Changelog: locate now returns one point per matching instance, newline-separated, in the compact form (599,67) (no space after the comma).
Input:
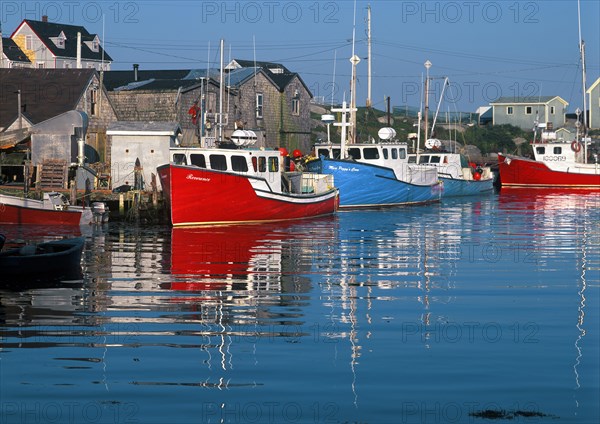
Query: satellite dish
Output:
(433,143)
(386,133)
(327,119)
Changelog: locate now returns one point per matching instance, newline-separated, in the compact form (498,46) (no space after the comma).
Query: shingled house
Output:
(56,46)
(275,99)
(46,93)
(268,99)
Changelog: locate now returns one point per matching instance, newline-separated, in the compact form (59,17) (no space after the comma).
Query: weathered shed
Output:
(146,142)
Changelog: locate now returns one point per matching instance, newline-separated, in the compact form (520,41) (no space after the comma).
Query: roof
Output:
(593,86)
(116,79)
(13,52)
(47,30)
(143,128)
(531,100)
(281,79)
(45,93)
(237,63)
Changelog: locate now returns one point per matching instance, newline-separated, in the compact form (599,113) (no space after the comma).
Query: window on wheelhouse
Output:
(179,159)
(323,152)
(218,162)
(435,159)
(239,164)
(402,153)
(354,153)
(540,150)
(198,160)
(371,153)
(385,153)
(558,150)
(412,159)
(424,159)
(262,164)
(273,164)
(394,153)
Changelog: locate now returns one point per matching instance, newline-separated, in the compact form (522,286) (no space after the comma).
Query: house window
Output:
(95,45)
(41,65)
(60,43)
(296,106)
(29,42)
(509,110)
(94,102)
(67,65)
(528,110)
(551,110)
(259,105)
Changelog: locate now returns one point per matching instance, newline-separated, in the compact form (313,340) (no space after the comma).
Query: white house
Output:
(147,143)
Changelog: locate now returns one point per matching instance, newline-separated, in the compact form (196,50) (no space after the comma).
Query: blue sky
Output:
(487,49)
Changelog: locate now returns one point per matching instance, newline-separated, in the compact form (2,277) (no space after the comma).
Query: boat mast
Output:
(221,94)
(369,102)
(427,66)
(583,82)
(354,60)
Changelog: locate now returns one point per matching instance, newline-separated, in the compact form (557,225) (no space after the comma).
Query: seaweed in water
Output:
(501,414)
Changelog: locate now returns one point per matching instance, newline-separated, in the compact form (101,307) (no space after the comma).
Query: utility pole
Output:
(1,48)
(369,103)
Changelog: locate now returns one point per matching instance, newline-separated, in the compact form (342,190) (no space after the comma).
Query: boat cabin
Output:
(450,165)
(569,152)
(388,155)
(264,168)
(377,154)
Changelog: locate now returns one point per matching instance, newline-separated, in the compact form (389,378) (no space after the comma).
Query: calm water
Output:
(459,312)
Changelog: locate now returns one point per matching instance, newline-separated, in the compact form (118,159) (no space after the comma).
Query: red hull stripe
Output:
(199,197)
(10,214)
(528,173)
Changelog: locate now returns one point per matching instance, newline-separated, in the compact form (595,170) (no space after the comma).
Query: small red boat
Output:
(54,209)
(214,186)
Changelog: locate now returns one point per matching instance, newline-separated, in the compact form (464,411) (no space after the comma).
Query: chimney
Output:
(78,50)
(45,18)
(135,71)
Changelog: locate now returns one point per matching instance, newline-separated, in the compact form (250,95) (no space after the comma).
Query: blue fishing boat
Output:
(378,174)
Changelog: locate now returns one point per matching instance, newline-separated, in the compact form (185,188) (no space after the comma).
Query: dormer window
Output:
(96,44)
(60,40)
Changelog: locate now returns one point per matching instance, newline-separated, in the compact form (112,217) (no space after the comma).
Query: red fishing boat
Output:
(556,164)
(53,209)
(234,185)
(570,164)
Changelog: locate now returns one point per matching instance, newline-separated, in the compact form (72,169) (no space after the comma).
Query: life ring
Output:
(576,146)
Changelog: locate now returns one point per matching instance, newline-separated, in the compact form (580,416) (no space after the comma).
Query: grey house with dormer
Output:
(523,112)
